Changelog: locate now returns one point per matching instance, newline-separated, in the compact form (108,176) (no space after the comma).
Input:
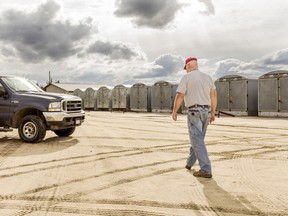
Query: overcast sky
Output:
(111,42)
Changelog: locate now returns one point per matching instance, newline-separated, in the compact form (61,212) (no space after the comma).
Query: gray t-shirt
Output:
(196,87)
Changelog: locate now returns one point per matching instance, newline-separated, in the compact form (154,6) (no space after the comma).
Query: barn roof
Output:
(70,87)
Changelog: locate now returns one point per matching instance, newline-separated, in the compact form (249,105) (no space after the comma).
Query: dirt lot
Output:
(133,164)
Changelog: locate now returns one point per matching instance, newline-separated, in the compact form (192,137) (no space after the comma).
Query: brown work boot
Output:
(188,167)
(202,174)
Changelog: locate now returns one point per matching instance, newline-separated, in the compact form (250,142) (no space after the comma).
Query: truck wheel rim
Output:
(29,130)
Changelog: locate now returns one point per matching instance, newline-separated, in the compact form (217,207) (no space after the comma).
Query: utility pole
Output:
(50,79)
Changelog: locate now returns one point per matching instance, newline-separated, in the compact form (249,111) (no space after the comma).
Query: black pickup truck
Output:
(25,106)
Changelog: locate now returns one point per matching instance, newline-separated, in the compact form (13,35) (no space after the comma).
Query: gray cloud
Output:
(274,61)
(279,57)
(36,36)
(227,67)
(236,67)
(210,7)
(115,50)
(7,52)
(163,66)
(148,13)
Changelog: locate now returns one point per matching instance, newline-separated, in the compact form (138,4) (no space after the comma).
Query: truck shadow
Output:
(15,147)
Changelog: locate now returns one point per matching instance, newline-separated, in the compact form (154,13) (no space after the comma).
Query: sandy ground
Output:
(133,164)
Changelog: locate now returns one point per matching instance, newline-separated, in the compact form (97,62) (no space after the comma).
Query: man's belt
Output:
(197,105)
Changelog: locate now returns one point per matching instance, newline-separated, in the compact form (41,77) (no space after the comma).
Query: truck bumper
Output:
(61,120)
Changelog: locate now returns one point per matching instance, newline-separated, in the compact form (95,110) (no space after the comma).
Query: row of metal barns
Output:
(239,96)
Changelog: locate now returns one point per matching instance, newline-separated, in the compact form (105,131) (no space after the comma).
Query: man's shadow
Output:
(221,202)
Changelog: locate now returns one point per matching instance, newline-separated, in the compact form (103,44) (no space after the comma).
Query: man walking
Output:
(200,97)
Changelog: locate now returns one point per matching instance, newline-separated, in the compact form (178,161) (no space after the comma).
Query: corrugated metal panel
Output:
(283,97)
(162,96)
(79,93)
(120,97)
(222,95)
(237,95)
(140,97)
(103,98)
(273,94)
(90,98)
(268,95)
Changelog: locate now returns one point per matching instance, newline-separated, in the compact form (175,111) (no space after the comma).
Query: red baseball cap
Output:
(189,60)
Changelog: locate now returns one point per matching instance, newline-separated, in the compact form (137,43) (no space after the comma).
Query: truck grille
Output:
(72,105)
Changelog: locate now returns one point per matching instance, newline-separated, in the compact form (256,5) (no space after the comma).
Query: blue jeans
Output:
(197,124)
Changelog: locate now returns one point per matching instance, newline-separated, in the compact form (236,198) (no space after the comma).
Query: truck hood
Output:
(50,96)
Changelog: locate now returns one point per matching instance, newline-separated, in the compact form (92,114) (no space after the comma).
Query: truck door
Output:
(5,107)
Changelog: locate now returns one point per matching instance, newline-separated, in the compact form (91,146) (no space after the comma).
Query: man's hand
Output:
(177,104)
(213,98)
(212,117)
(174,116)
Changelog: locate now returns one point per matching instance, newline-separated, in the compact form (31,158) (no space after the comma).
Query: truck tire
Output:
(65,132)
(32,129)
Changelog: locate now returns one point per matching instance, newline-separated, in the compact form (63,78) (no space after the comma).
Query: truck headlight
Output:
(55,106)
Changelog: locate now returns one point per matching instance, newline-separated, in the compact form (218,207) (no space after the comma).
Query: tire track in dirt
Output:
(130,151)
(141,118)
(230,155)
(73,198)
(7,150)
(28,209)
(243,179)
(245,131)
(204,208)
(253,182)
(255,141)
(128,203)
(261,155)
(283,164)
(168,148)
(119,182)
(248,126)
(123,181)
(10,148)
(130,138)
(92,177)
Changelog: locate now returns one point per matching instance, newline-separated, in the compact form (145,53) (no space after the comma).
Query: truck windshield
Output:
(19,84)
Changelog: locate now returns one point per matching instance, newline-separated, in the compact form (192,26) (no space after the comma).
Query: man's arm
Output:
(213,98)
(177,104)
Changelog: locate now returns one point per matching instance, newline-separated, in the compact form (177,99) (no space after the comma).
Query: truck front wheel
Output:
(65,132)
(32,129)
